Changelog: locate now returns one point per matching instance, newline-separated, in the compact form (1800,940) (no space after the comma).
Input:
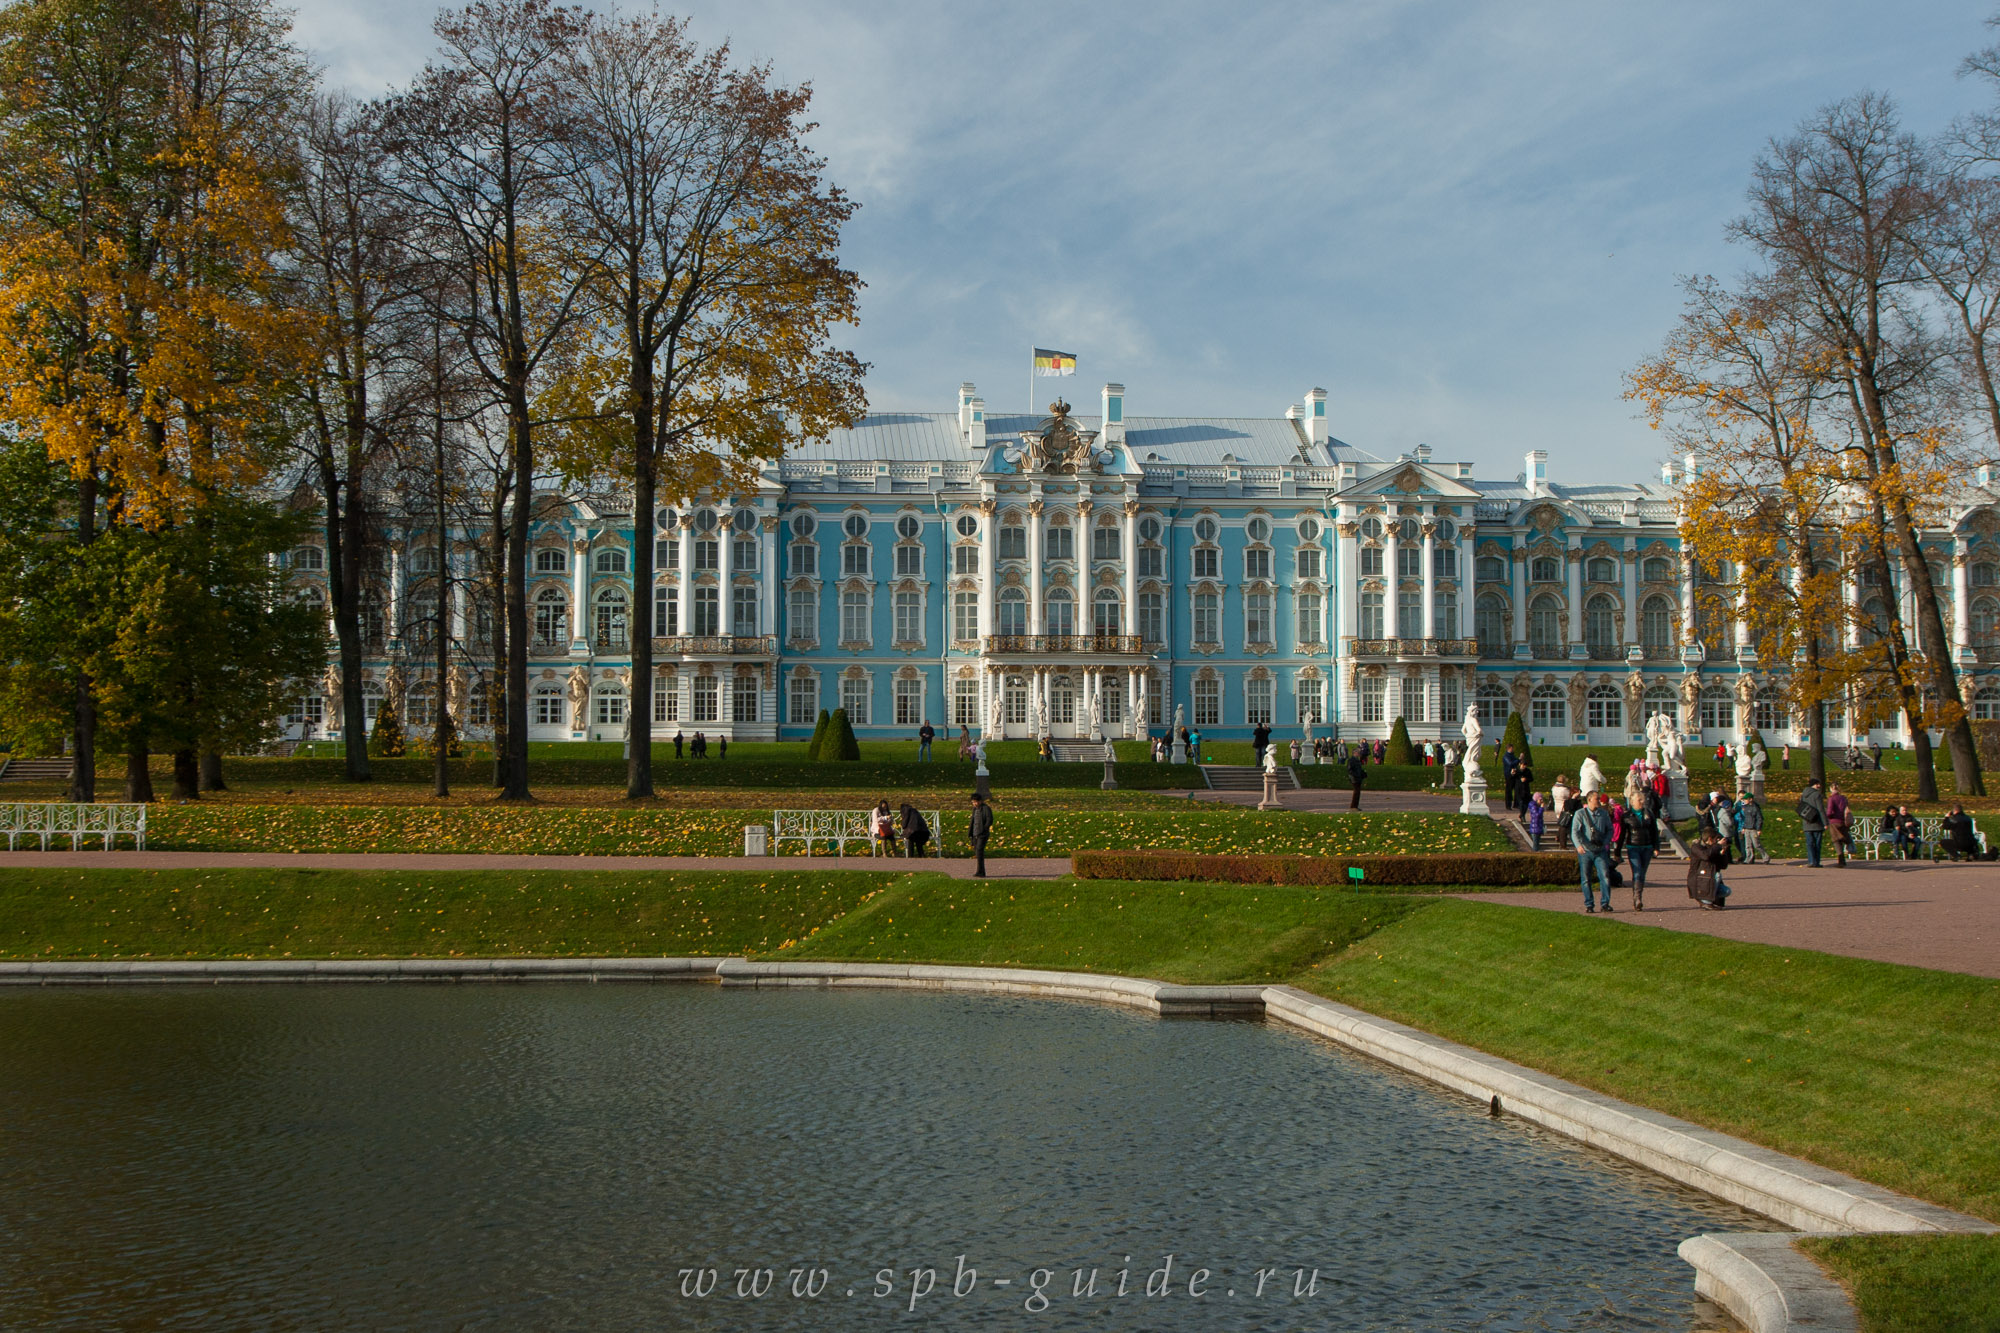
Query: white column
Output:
(1466,591)
(1961,601)
(1741,625)
(1850,591)
(989,594)
(1391,578)
(726,599)
(579,581)
(1687,599)
(396,572)
(1347,590)
(1573,558)
(1430,578)
(1084,591)
(455,589)
(767,554)
(1036,623)
(1131,551)
(1631,558)
(685,594)
(1519,561)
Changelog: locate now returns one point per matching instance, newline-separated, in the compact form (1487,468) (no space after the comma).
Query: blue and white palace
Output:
(962,566)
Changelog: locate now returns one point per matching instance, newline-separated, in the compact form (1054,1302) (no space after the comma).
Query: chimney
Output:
(1986,474)
(966,394)
(1114,414)
(1536,475)
(1316,416)
(975,426)
(1422,453)
(1465,472)
(1693,466)
(1670,473)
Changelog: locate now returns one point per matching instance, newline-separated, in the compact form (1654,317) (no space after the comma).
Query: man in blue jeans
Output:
(925,735)
(1812,820)
(1590,831)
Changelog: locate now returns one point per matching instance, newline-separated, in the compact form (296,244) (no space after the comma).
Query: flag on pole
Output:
(1054,363)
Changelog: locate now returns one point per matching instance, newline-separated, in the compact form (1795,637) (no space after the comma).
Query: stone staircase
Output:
(1077,752)
(1244,777)
(36,770)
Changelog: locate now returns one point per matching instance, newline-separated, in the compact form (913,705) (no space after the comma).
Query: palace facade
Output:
(971,568)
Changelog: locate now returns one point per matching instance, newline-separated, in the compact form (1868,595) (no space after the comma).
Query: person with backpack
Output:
(1707,857)
(1590,834)
(1839,821)
(1357,773)
(978,831)
(1750,827)
(1812,820)
(916,831)
(1960,839)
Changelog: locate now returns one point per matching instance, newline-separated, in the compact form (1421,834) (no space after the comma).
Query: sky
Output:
(1465,221)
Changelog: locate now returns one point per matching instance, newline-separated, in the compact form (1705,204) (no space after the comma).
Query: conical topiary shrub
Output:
(386,740)
(1516,735)
(819,735)
(840,743)
(1399,745)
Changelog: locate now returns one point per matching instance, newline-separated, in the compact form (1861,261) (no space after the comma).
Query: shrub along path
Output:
(1010,867)
(1938,916)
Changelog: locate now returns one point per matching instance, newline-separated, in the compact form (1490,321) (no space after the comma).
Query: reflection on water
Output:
(596,1157)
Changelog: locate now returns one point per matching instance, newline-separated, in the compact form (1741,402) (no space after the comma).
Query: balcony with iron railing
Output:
(1097,644)
(718,645)
(1412,648)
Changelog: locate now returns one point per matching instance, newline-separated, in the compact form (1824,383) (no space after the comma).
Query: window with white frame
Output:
(667,698)
(908,526)
(743,555)
(1208,703)
(1371,560)
(1257,619)
(1409,615)
(551,560)
(909,617)
(1449,708)
(1310,694)
(805,558)
(1545,569)
(1547,709)
(1061,611)
(1013,541)
(611,560)
(610,706)
(551,617)
(854,617)
(965,560)
(803,694)
(1107,614)
(1060,543)
(1489,626)
(1152,624)
(854,693)
(479,706)
(965,616)
(609,630)
(1156,707)
(308,558)
(708,610)
(1444,615)
(1409,561)
(803,616)
(1257,563)
(1372,690)
(1986,705)
(967,525)
(1600,570)
(1308,562)
(854,560)
(743,612)
(965,703)
(1311,615)
(707,691)
(1259,694)
(1152,555)
(1014,701)
(743,705)
(1444,562)
(1718,711)
(1489,569)
(666,609)
(666,555)
(1545,636)
(1207,562)
(1207,618)
(1113,695)
(1493,704)
(1013,613)
(1657,569)
(909,703)
(546,705)
(1660,702)
(1371,615)
(707,553)
(1767,712)
(909,561)
(1414,693)
(1604,709)
(1106,543)
(1062,701)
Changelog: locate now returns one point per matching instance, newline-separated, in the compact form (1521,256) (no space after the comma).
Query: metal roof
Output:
(925,437)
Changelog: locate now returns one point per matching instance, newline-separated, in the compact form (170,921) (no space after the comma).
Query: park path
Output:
(997,867)
(1937,916)
(1333,800)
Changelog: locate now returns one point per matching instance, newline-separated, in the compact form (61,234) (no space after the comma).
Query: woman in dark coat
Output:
(1707,858)
(1959,838)
(916,832)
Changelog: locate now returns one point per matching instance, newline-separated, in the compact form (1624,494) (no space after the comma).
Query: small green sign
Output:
(1356,874)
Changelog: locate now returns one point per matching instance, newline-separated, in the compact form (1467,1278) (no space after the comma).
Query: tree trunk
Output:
(1816,742)
(516,779)
(639,720)
(138,773)
(187,776)
(83,771)
(345,536)
(211,770)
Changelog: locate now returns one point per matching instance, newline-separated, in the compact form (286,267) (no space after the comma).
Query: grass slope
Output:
(1916,1284)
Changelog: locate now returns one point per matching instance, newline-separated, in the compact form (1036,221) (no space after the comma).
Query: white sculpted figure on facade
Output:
(1474,734)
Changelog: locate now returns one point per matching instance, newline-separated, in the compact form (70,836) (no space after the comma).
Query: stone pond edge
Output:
(1758,1277)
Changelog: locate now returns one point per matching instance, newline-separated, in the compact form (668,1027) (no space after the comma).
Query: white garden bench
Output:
(58,819)
(1871,841)
(838,827)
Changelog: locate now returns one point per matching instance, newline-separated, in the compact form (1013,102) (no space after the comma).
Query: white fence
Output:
(839,827)
(51,819)
(1870,839)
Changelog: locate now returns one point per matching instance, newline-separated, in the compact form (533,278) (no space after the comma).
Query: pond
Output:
(558,1156)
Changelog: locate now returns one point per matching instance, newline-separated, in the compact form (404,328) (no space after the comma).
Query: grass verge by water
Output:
(1916,1284)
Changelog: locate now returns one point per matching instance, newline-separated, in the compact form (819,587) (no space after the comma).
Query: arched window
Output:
(1657,569)
(551,618)
(1601,570)
(1604,709)
(419,702)
(1660,701)
(1718,709)
(1545,569)
(1489,623)
(1061,611)
(310,594)
(1013,611)
(1493,704)
(1656,627)
(609,629)
(1767,713)
(1600,627)
(1548,710)
(551,560)
(610,700)
(1986,705)
(611,560)
(1985,621)
(311,558)
(1489,569)
(1545,627)
(545,705)
(1106,613)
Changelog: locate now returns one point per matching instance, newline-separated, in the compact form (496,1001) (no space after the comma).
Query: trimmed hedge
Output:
(1496,869)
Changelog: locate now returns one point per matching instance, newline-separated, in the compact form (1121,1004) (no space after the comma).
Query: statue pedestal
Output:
(1110,782)
(1475,797)
(1270,801)
(1677,806)
(1180,750)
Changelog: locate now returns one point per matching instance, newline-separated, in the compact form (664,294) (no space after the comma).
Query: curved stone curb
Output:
(1767,1284)
(231,970)
(1156,997)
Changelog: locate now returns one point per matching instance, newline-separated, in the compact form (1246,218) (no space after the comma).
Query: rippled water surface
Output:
(569,1156)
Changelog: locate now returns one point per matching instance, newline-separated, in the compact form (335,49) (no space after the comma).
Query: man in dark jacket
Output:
(1509,762)
(1259,738)
(1642,840)
(1590,834)
(1812,820)
(980,829)
(1960,839)
(1708,857)
(1357,773)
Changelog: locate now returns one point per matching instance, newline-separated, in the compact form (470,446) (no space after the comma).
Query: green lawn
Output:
(1917,1284)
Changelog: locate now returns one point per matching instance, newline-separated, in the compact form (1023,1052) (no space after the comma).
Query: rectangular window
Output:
(1718,714)
(1444,616)
(1208,703)
(1309,562)
(1371,560)
(1371,615)
(1493,710)
(743,555)
(1310,618)
(1152,562)
(965,560)
(1413,699)
(706,692)
(1207,618)
(909,562)
(1257,618)
(804,697)
(667,699)
(1013,614)
(1444,561)
(667,554)
(1207,562)
(548,708)
(965,703)
(854,559)
(854,618)
(1152,625)
(1113,696)
(1409,615)
(1409,561)
(1371,698)
(1257,697)
(805,559)
(610,709)
(965,616)
(854,698)
(1013,543)
(743,700)
(1061,544)
(708,554)
(909,617)
(909,703)
(1256,564)
(708,612)
(742,612)
(1311,697)
(1105,544)
(1604,714)
(1548,714)
(804,617)
(1449,708)
(1156,707)
(666,611)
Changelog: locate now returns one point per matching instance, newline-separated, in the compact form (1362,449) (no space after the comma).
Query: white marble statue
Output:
(1759,757)
(996,719)
(1741,749)
(1656,727)
(1271,761)
(1473,734)
(1097,714)
(1673,755)
(979,757)
(1038,724)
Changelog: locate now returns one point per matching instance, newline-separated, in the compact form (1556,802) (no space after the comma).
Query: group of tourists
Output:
(698,747)
(888,828)
(1606,832)
(1828,814)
